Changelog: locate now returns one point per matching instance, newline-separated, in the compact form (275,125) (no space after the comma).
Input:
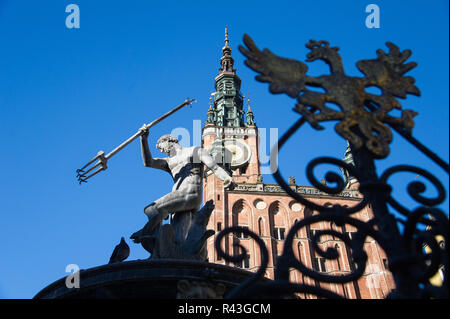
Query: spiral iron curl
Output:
(330,177)
(240,291)
(359,256)
(415,188)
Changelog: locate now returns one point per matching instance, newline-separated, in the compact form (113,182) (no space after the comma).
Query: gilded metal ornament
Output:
(362,116)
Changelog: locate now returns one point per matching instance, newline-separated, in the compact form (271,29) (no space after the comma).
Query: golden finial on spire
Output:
(226,61)
(227,42)
(250,119)
(210,103)
(226,36)
(248,101)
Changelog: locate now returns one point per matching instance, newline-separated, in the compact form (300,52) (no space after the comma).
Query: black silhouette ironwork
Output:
(365,122)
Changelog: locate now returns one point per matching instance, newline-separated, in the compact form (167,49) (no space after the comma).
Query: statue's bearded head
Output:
(166,143)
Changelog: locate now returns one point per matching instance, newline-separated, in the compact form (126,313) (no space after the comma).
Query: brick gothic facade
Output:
(267,210)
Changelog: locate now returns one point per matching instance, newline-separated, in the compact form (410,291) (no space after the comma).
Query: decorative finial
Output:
(291,180)
(210,104)
(226,37)
(210,114)
(250,117)
(226,49)
(226,62)
(348,158)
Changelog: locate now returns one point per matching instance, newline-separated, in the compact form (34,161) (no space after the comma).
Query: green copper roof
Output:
(227,107)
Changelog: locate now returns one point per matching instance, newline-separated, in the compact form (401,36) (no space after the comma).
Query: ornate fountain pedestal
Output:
(151,279)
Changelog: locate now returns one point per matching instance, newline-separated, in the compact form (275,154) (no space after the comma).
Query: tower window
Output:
(296,234)
(244,263)
(278,233)
(242,235)
(319,264)
(338,259)
(260,226)
(219,228)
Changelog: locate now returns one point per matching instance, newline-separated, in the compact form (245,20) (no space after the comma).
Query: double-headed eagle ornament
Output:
(362,116)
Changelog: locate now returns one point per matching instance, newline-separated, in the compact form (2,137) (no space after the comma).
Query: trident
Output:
(102,159)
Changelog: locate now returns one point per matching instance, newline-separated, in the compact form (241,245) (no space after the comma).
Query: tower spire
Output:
(348,158)
(250,116)
(210,115)
(226,62)
(226,38)
(227,107)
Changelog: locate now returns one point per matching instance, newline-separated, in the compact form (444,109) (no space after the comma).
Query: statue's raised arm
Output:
(149,161)
(206,159)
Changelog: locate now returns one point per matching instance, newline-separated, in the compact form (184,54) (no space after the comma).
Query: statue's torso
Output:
(186,169)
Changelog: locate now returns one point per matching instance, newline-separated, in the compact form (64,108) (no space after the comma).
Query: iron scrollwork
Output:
(364,121)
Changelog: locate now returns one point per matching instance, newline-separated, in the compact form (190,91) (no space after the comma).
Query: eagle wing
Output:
(387,72)
(284,75)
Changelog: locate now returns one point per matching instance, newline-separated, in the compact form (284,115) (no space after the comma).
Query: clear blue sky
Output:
(67,93)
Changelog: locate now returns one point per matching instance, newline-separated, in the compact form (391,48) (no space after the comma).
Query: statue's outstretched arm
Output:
(206,159)
(149,161)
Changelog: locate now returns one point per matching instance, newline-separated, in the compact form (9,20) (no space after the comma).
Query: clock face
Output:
(236,152)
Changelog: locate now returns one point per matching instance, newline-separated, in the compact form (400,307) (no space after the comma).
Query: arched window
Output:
(295,222)
(277,220)
(319,264)
(339,257)
(307,212)
(260,226)
(299,250)
(244,263)
(240,216)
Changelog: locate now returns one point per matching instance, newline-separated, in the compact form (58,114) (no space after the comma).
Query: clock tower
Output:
(231,136)
(230,133)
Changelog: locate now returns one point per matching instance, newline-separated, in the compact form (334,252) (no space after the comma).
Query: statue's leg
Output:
(154,221)
(154,214)
(182,205)
(174,202)
(181,222)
